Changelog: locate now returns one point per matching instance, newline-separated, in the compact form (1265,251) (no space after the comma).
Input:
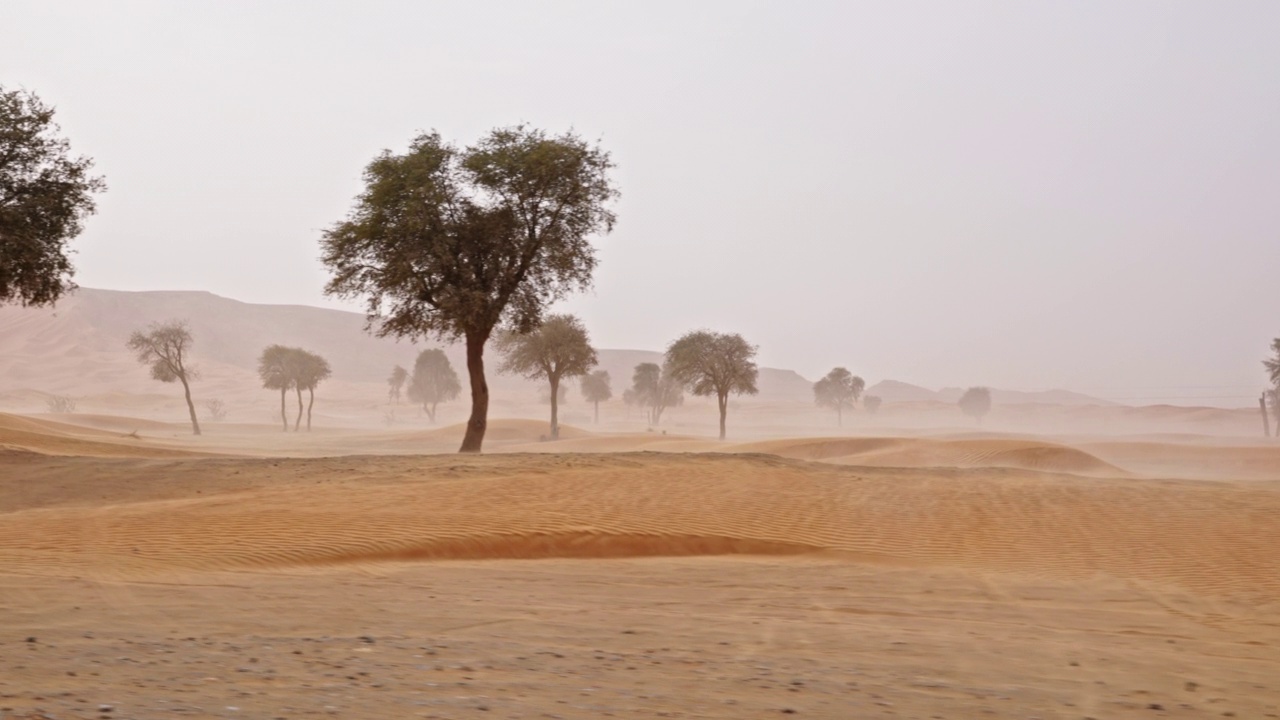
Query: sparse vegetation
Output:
(165,347)
(654,389)
(596,388)
(216,410)
(434,381)
(976,402)
(397,380)
(840,389)
(558,349)
(45,196)
(61,404)
(711,363)
(284,368)
(871,404)
(455,243)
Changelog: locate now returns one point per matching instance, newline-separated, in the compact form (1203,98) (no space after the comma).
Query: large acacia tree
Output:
(457,242)
(711,363)
(45,195)
(165,347)
(559,348)
(840,389)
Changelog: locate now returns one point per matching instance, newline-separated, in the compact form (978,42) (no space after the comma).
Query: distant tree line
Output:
(290,368)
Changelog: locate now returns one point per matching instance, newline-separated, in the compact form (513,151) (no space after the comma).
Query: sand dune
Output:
(1208,537)
(26,434)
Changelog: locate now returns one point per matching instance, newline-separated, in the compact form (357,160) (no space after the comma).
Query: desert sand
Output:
(366,572)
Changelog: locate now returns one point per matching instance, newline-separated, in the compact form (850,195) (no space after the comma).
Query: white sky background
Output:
(1026,195)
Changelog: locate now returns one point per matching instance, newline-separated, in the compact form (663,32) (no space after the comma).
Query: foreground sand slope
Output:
(158,515)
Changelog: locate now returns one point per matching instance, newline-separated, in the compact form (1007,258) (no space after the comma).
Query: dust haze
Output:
(921,376)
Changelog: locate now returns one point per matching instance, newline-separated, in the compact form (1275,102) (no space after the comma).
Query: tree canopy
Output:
(395,382)
(711,363)
(871,404)
(654,389)
(840,389)
(164,347)
(434,381)
(45,196)
(559,348)
(451,242)
(976,402)
(597,388)
(1272,364)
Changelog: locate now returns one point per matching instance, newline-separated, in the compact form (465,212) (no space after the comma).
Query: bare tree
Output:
(559,348)
(275,368)
(976,402)
(434,381)
(457,243)
(311,370)
(397,380)
(711,363)
(216,409)
(654,389)
(164,347)
(840,389)
(596,389)
(1272,364)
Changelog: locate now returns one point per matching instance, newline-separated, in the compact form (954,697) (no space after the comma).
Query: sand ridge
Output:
(1212,538)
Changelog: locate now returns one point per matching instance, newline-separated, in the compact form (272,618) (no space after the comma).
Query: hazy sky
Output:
(1029,195)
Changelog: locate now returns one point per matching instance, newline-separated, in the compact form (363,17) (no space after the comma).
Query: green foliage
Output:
(710,363)
(447,241)
(451,242)
(276,367)
(290,368)
(976,402)
(558,348)
(434,381)
(45,195)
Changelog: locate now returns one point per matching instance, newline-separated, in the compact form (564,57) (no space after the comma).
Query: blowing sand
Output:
(632,576)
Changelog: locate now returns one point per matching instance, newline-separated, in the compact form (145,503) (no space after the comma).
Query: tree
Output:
(596,389)
(164,346)
(455,243)
(1273,364)
(655,389)
(976,402)
(559,348)
(275,368)
(871,404)
(434,381)
(838,390)
(311,369)
(710,363)
(397,380)
(45,195)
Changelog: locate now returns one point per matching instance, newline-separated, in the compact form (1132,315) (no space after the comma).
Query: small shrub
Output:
(61,404)
(216,409)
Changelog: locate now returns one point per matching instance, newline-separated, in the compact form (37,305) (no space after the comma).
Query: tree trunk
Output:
(430,410)
(479,420)
(597,412)
(555,398)
(186,389)
(283,418)
(298,423)
(724,409)
(1266,424)
(311,400)
(839,416)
